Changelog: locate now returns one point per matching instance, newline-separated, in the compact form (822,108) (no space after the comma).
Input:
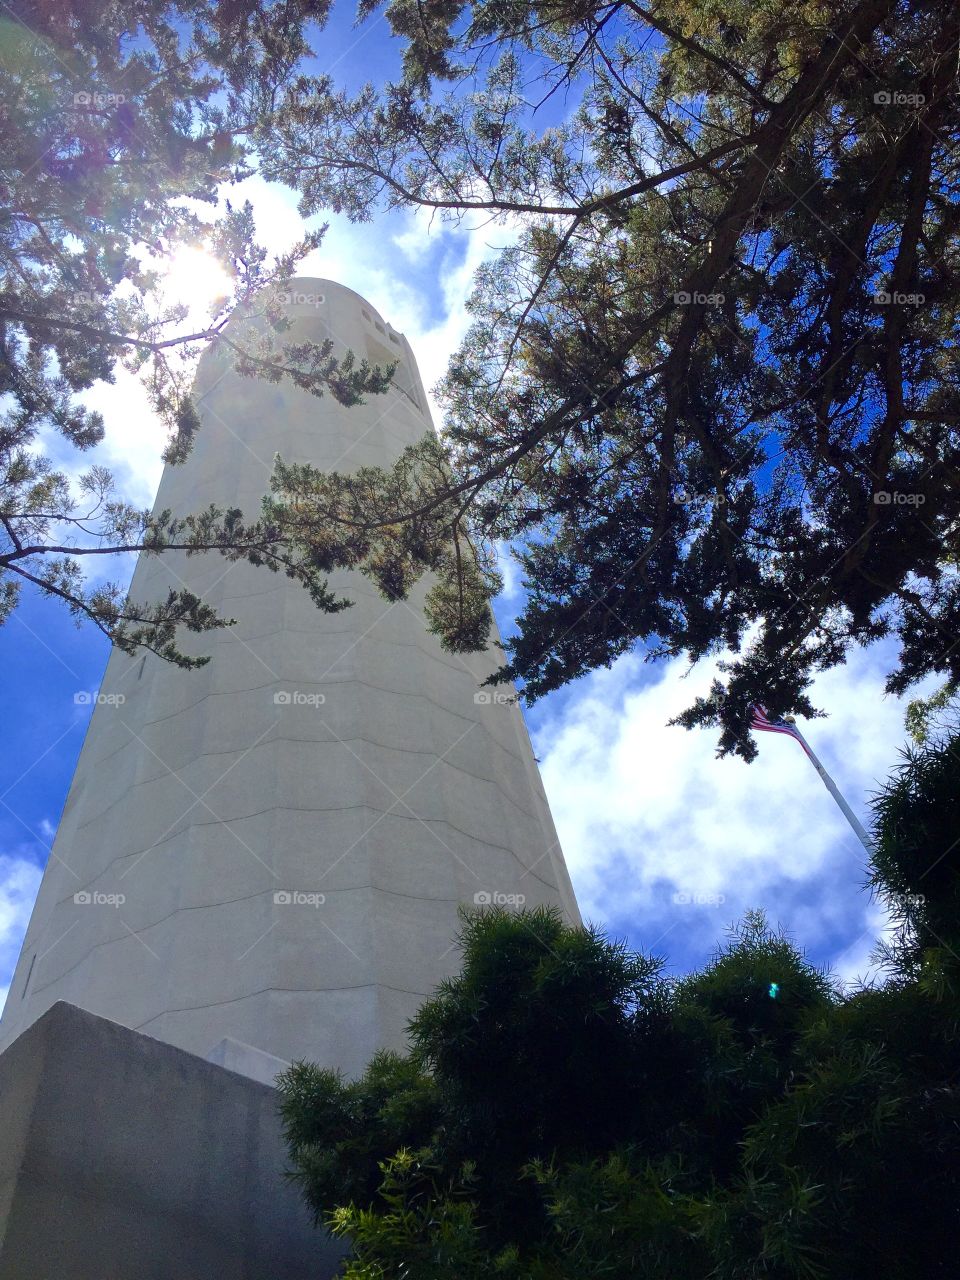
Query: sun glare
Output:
(196,279)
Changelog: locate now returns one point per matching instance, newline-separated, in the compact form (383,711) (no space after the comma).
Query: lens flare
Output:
(195,278)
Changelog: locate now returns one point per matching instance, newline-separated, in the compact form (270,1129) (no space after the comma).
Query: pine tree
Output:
(709,394)
(119,122)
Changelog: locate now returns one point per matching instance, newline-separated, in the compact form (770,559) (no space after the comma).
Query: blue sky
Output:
(666,845)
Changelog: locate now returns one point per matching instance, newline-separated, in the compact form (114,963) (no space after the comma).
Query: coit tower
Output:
(272,849)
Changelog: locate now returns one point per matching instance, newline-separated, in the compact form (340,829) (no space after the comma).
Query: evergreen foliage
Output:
(119,122)
(568,1113)
(710,392)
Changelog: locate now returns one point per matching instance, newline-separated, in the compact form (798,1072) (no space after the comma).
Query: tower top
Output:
(307,295)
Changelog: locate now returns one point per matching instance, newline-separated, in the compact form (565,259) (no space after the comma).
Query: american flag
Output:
(762,723)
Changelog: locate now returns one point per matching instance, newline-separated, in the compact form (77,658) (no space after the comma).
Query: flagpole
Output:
(834,790)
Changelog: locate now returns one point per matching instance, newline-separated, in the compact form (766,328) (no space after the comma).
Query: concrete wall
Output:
(343,757)
(122,1158)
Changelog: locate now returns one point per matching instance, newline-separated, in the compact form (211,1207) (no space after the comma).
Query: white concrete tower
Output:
(272,849)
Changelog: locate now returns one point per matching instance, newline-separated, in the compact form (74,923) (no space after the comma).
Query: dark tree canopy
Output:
(710,393)
(119,123)
(568,1113)
(917,854)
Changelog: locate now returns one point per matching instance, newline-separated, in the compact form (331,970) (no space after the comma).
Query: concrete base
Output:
(124,1158)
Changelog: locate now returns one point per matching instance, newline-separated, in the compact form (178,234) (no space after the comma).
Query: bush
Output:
(567,1113)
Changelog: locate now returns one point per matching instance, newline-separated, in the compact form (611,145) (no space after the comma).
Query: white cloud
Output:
(511,573)
(646,812)
(854,964)
(412,243)
(134,438)
(19,881)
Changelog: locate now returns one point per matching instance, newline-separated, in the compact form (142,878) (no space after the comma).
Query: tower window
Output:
(379,354)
